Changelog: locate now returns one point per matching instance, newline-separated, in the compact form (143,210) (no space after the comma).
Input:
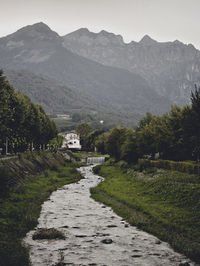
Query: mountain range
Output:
(170,68)
(98,72)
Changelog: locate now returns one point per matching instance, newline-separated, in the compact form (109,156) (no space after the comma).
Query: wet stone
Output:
(107,241)
(111,225)
(136,256)
(158,242)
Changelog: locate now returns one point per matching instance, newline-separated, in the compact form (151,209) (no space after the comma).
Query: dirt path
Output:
(87,226)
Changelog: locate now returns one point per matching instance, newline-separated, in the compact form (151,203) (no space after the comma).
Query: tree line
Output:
(174,136)
(23,124)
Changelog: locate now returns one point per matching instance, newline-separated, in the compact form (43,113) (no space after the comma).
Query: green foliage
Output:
(175,135)
(56,142)
(22,124)
(114,142)
(84,130)
(185,167)
(90,139)
(164,203)
(120,143)
(6,181)
(100,143)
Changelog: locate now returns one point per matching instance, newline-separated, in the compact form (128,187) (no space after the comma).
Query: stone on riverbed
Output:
(107,241)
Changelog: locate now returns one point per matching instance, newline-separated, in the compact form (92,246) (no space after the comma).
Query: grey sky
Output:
(163,20)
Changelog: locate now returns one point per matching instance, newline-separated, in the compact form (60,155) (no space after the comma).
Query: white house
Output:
(72,141)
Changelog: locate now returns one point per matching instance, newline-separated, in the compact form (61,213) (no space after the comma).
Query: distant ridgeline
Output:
(23,124)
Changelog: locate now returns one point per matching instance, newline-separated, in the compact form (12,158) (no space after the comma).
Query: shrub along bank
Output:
(185,167)
(29,182)
(164,203)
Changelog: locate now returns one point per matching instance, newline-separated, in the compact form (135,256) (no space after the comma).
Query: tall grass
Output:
(21,207)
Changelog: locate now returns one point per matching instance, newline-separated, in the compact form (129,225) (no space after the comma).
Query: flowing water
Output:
(95,160)
(95,235)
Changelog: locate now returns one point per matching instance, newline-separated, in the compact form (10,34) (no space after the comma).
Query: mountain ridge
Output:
(39,50)
(171,68)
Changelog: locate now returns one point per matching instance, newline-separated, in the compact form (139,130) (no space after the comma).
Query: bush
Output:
(96,169)
(110,161)
(6,181)
(122,164)
(185,167)
(143,164)
(54,167)
(50,233)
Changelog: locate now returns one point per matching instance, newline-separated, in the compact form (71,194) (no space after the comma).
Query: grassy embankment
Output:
(34,177)
(164,203)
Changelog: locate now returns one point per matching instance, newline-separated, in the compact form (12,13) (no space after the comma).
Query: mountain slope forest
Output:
(23,124)
(39,50)
(97,73)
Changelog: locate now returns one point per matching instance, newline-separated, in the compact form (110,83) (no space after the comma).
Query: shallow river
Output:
(85,224)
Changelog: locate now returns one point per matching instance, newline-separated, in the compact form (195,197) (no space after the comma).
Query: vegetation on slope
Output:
(22,123)
(35,177)
(164,203)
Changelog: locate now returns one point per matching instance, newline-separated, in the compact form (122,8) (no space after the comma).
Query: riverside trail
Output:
(95,235)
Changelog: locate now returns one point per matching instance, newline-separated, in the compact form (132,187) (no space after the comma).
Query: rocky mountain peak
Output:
(80,32)
(147,40)
(36,31)
(85,36)
(111,36)
(177,42)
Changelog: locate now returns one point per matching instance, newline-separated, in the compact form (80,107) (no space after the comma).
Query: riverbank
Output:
(91,233)
(29,180)
(163,203)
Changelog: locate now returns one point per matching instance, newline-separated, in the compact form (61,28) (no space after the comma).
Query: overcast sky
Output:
(163,20)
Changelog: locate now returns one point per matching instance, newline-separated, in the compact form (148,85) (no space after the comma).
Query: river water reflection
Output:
(95,235)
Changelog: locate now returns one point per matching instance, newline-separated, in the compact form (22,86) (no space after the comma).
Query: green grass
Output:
(164,203)
(20,210)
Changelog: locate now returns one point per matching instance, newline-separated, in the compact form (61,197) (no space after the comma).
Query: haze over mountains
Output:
(170,68)
(98,71)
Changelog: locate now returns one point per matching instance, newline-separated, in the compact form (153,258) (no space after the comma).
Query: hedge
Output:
(185,167)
